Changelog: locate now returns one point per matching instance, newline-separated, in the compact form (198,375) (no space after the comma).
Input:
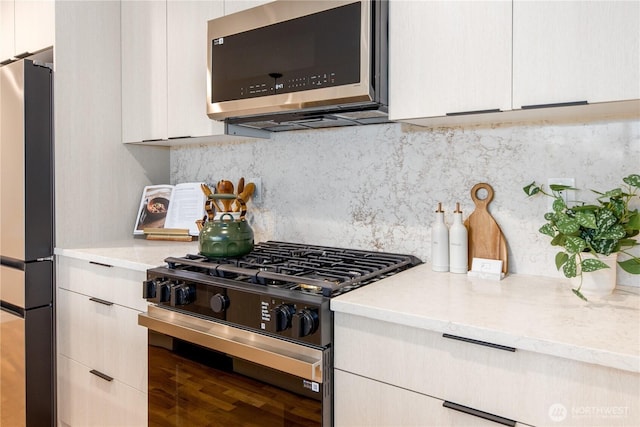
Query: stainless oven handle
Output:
(295,359)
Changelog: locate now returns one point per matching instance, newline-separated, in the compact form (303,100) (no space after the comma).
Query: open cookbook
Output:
(171,207)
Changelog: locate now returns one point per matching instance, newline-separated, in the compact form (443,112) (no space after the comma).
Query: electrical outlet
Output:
(567,195)
(257,193)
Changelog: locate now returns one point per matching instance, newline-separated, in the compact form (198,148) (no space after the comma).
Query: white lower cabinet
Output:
(85,399)
(363,406)
(102,351)
(405,374)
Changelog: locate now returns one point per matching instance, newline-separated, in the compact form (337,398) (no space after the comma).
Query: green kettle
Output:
(227,236)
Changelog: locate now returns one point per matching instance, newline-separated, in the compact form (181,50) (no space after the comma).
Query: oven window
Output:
(193,386)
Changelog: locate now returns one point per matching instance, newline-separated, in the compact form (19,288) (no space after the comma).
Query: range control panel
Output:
(297,317)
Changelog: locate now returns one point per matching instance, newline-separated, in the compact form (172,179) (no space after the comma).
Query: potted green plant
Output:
(608,226)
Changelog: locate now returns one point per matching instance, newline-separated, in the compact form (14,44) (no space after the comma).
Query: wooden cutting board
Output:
(485,237)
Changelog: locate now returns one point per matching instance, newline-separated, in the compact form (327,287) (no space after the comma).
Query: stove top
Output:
(322,270)
(280,289)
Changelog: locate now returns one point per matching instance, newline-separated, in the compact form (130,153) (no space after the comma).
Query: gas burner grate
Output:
(307,268)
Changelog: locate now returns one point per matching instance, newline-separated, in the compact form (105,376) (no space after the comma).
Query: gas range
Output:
(280,289)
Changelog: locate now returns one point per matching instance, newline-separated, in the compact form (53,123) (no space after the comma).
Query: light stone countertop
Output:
(134,254)
(532,313)
(538,314)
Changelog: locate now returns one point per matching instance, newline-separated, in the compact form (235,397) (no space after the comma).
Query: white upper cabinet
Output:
(25,26)
(164,71)
(7,22)
(448,57)
(233,6)
(144,70)
(34,25)
(568,51)
(187,67)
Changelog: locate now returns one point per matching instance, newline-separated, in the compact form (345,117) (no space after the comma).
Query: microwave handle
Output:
(260,349)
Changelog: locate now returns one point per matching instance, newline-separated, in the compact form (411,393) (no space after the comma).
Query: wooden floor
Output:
(184,393)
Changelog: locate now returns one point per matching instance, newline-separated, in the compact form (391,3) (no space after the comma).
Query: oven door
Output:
(207,373)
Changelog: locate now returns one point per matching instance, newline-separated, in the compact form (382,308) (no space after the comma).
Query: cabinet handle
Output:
(478,342)
(463,113)
(180,137)
(152,140)
(100,264)
(23,55)
(100,301)
(101,375)
(480,414)
(557,104)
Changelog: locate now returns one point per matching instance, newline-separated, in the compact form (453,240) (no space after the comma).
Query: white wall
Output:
(376,187)
(98,179)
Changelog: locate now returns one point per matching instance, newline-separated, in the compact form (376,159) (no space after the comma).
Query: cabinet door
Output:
(34,25)
(360,401)
(233,6)
(448,57)
(103,337)
(187,67)
(144,70)
(85,399)
(7,22)
(122,286)
(519,385)
(575,51)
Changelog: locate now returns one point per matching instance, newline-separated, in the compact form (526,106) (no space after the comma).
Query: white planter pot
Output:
(600,282)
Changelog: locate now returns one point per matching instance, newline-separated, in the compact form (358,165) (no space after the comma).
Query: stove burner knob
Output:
(305,322)
(182,294)
(280,318)
(149,289)
(162,292)
(219,303)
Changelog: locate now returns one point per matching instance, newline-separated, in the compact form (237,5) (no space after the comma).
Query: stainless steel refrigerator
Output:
(27,363)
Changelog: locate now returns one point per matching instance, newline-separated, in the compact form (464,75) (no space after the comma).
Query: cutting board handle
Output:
(482,203)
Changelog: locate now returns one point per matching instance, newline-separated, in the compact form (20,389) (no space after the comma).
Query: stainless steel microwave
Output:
(303,57)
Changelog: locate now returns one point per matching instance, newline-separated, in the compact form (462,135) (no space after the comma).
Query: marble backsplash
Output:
(377,187)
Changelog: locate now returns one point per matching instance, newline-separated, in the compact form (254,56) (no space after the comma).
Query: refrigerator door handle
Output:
(12,263)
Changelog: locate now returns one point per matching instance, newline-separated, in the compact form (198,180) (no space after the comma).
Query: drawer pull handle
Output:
(100,301)
(101,375)
(480,414)
(557,104)
(464,113)
(100,264)
(478,342)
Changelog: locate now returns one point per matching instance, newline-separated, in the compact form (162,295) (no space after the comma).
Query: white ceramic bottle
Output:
(439,242)
(458,244)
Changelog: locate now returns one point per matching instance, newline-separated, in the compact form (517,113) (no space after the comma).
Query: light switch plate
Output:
(567,195)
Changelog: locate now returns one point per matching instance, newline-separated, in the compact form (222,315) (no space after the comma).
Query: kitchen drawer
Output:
(529,387)
(86,400)
(365,402)
(104,337)
(118,285)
